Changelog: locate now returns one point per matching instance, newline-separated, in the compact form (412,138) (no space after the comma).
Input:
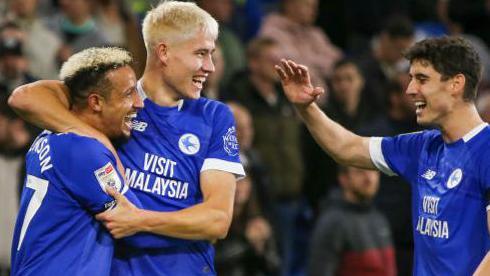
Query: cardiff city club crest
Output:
(189,144)
(230,142)
(455,178)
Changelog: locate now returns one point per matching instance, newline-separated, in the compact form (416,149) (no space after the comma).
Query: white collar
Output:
(474,132)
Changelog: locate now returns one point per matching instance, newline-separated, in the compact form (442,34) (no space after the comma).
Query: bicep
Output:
(218,189)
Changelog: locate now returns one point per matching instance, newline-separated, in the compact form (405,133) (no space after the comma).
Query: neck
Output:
(462,120)
(88,118)
(155,88)
(264,86)
(350,106)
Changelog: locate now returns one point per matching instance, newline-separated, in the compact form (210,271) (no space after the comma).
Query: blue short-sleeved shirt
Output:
(449,187)
(169,148)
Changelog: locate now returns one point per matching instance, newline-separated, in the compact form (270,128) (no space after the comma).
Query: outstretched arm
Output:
(342,145)
(208,220)
(46,104)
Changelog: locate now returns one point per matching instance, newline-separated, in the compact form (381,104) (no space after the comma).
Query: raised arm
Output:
(209,220)
(46,104)
(342,145)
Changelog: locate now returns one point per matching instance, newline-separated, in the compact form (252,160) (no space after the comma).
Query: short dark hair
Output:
(399,26)
(257,45)
(450,56)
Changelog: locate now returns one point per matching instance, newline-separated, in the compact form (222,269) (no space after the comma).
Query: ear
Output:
(161,50)
(95,102)
(458,83)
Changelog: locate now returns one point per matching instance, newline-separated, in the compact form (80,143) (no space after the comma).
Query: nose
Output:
(411,88)
(208,65)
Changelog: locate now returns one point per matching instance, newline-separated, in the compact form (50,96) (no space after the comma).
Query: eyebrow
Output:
(419,76)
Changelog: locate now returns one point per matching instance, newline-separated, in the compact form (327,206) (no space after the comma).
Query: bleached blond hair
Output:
(93,59)
(174,21)
(85,71)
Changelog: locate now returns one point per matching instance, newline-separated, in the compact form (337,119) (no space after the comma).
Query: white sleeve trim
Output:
(488,208)
(223,165)
(376,153)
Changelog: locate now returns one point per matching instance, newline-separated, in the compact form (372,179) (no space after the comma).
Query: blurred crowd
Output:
(296,212)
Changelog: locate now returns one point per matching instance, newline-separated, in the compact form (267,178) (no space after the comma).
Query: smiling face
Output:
(430,94)
(188,65)
(122,103)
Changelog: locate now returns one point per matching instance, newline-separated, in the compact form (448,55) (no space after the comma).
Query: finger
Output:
(101,216)
(318,91)
(288,69)
(281,72)
(116,195)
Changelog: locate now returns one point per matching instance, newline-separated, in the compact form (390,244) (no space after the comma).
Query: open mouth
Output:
(199,81)
(420,106)
(128,119)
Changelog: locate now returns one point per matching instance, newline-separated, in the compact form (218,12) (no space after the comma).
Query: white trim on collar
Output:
(474,132)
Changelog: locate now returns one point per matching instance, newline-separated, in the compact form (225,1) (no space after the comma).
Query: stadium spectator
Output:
(345,105)
(273,120)
(231,46)
(300,40)
(14,139)
(249,248)
(76,26)
(42,60)
(13,63)
(119,25)
(385,61)
(446,167)
(351,236)
(394,197)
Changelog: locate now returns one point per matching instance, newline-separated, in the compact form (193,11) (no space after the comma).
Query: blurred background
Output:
(297,212)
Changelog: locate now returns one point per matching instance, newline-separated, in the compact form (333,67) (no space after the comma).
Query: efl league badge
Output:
(189,144)
(107,177)
(230,142)
(455,178)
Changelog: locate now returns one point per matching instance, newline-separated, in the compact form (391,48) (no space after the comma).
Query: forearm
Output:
(44,104)
(484,267)
(341,144)
(199,222)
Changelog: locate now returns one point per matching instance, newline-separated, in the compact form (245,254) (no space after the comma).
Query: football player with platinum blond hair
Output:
(68,174)
(182,158)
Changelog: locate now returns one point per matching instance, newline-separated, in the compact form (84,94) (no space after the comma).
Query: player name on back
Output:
(428,226)
(162,183)
(42,149)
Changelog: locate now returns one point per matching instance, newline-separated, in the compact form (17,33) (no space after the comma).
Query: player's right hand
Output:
(296,82)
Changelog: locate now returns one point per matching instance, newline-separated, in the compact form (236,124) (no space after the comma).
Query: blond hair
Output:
(93,59)
(86,71)
(173,21)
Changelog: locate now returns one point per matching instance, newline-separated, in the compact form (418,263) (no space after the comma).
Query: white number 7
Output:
(40,187)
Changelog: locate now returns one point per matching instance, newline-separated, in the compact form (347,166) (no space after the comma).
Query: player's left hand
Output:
(121,221)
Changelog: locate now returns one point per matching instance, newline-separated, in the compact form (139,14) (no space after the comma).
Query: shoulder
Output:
(208,107)
(74,147)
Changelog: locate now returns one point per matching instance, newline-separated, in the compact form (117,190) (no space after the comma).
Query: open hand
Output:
(122,221)
(296,83)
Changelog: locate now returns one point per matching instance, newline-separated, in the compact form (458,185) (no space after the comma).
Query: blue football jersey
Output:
(56,232)
(168,149)
(449,185)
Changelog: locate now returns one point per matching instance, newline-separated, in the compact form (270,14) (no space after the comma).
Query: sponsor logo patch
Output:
(107,176)
(138,125)
(189,144)
(230,142)
(429,174)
